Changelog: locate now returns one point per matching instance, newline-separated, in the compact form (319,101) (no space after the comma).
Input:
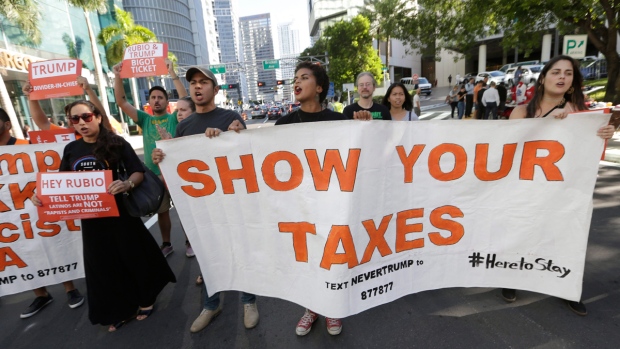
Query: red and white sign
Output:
(147,59)
(52,136)
(55,78)
(415,77)
(75,195)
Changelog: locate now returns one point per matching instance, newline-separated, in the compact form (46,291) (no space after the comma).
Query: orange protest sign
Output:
(75,195)
(52,136)
(55,78)
(147,59)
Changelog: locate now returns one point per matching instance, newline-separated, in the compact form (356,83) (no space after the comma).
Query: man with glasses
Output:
(366,85)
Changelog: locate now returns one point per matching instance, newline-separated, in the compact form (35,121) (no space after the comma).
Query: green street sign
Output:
(271,64)
(384,68)
(218,68)
(223,87)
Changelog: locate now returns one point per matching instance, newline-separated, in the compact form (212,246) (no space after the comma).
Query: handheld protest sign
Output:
(52,136)
(147,59)
(55,78)
(75,195)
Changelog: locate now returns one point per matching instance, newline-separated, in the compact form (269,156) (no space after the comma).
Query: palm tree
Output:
(89,6)
(25,15)
(116,37)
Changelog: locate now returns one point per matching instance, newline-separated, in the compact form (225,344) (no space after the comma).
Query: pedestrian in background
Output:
(469,98)
(398,100)
(490,101)
(461,101)
(503,95)
(450,79)
(453,99)
(416,102)
(558,92)
(518,74)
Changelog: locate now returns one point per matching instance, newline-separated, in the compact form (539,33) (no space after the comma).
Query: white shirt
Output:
(416,101)
(490,95)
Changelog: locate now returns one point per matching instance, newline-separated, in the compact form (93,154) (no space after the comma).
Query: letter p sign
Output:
(575,45)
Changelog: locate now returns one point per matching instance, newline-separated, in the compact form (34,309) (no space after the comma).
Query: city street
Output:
(448,318)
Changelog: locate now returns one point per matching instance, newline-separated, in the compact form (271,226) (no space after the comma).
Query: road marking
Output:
(150,222)
(427,107)
(438,115)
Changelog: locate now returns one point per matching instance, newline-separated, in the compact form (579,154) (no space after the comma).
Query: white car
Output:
(529,74)
(495,75)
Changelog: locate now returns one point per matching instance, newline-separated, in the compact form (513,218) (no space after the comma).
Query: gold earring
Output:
(570,90)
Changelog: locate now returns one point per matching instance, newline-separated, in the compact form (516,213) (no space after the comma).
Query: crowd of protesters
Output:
(126,272)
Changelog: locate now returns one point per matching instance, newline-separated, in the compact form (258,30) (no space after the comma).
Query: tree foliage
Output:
(25,15)
(350,51)
(125,32)
(458,24)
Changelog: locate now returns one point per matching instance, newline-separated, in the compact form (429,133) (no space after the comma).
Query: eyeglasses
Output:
(368,84)
(87,117)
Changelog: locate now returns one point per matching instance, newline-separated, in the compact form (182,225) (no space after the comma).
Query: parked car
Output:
(468,76)
(529,74)
(505,67)
(495,75)
(425,86)
(594,69)
(274,113)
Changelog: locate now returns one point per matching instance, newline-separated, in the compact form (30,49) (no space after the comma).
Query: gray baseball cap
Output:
(193,70)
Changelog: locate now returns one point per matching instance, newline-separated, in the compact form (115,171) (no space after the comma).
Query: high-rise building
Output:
(228,31)
(64,35)
(257,46)
(289,49)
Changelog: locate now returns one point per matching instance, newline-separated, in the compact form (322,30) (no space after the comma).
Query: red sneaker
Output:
(305,323)
(334,326)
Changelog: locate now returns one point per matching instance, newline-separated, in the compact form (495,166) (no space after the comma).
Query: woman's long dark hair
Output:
(575,97)
(407,104)
(108,146)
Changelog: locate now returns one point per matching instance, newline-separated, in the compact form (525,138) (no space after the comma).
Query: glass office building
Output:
(64,34)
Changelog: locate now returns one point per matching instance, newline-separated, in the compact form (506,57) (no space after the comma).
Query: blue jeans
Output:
(461,108)
(211,303)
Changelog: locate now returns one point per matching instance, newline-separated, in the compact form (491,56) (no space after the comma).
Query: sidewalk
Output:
(612,152)
(135,141)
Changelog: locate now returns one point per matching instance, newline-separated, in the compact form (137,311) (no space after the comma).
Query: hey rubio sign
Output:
(142,60)
(55,78)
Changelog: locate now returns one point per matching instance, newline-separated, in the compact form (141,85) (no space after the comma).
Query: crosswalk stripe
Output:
(435,115)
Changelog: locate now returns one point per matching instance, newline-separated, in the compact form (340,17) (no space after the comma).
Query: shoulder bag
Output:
(145,199)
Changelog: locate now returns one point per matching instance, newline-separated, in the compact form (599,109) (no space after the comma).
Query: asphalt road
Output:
(446,318)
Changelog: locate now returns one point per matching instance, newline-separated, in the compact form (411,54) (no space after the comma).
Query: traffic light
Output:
(279,82)
(233,86)
(261,83)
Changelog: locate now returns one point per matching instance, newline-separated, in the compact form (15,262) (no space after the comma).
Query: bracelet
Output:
(177,78)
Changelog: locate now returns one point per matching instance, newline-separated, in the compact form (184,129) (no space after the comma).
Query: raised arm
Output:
(176,80)
(92,96)
(119,94)
(36,112)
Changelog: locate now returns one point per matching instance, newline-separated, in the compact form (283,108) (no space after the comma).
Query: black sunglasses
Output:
(87,117)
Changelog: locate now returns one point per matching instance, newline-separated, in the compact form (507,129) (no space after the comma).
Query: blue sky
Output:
(281,11)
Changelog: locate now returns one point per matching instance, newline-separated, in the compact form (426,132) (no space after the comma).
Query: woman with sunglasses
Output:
(125,270)
(558,92)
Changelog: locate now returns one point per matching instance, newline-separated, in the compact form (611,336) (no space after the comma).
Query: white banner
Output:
(33,253)
(343,216)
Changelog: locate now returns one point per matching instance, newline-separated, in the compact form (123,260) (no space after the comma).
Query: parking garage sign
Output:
(575,45)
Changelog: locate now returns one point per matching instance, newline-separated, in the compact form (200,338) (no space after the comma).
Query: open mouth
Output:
(297,90)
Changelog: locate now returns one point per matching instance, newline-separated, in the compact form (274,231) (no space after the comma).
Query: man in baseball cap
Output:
(211,121)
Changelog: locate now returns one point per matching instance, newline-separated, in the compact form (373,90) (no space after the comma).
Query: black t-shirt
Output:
(378,111)
(503,93)
(461,94)
(299,116)
(198,123)
(480,93)
(78,156)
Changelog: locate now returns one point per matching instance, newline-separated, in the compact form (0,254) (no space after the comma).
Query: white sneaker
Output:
(250,315)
